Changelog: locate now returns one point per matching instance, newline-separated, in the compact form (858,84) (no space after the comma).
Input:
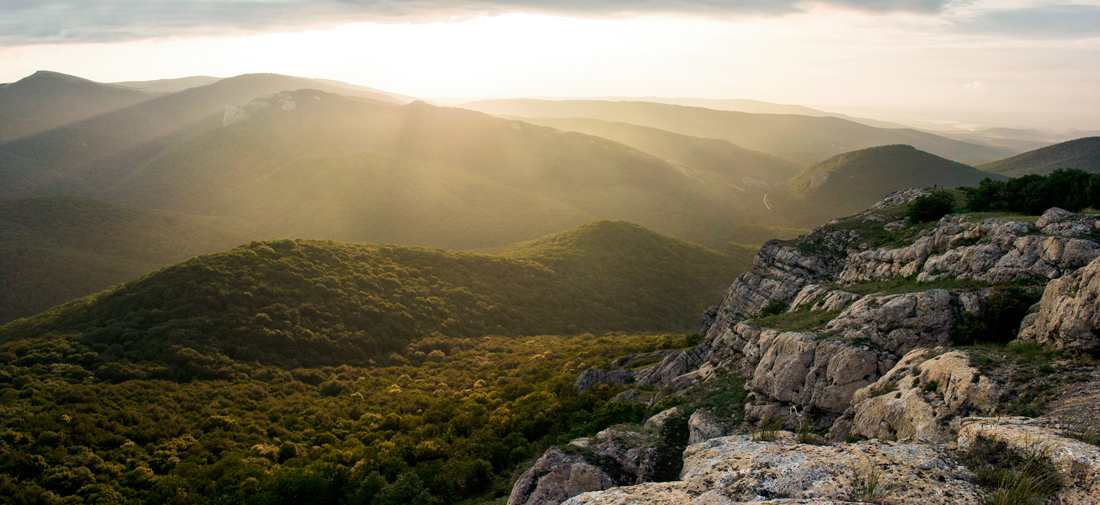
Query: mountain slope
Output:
(91,155)
(712,159)
(55,249)
(313,302)
(310,164)
(752,106)
(801,139)
(161,86)
(47,100)
(1081,153)
(852,181)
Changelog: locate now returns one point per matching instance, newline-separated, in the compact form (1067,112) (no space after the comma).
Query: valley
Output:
(271,289)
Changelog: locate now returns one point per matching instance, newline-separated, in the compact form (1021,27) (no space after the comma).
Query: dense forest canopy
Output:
(309,303)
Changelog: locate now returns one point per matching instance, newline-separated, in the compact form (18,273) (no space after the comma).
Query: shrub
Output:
(998,320)
(774,307)
(931,207)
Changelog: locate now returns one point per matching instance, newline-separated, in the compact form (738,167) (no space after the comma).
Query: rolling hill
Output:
(713,160)
(310,303)
(47,100)
(55,249)
(1082,153)
(801,139)
(90,155)
(849,182)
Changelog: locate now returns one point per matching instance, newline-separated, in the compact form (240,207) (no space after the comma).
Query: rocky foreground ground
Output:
(853,391)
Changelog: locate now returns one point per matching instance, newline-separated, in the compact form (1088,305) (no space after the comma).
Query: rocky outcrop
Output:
(917,398)
(1076,462)
(739,470)
(555,477)
(594,377)
(1064,223)
(704,425)
(991,250)
(899,323)
(818,297)
(1068,315)
(624,457)
(778,271)
(676,371)
(659,419)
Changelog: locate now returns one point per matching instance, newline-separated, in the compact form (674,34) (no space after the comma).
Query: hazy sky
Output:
(1011,56)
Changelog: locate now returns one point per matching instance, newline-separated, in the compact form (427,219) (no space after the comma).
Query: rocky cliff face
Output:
(848,330)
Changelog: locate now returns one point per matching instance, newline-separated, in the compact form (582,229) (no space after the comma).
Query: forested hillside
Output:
(1083,154)
(54,249)
(310,303)
(846,183)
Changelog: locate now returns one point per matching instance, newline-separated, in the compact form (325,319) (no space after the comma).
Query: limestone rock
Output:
(633,396)
(659,419)
(916,398)
(817,297)
(778,271)
(1064,223)
(898,323)
(555,477)
(1069,313)
(704,425)
(594,377)
(628,456)
(739,470)
(1076,462)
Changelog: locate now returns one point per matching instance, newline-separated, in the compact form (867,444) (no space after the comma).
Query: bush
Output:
(931,207)
(1070,189)
(774,307)
(999,319)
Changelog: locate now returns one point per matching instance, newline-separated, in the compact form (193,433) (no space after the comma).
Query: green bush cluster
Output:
(1070,189)
(999,319)
(931,207)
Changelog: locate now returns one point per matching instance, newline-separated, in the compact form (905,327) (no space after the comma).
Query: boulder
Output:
(555,477)
(659,419)
(704,425)
(737,469)
(1068,315)
(915,400)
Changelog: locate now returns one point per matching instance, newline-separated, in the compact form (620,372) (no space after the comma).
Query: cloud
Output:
(976,86)
(1041,22)
(62,21)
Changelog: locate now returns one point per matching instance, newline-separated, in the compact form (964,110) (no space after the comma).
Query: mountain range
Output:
(801,139)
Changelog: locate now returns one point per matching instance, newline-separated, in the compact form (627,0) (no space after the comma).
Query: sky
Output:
(1013,58)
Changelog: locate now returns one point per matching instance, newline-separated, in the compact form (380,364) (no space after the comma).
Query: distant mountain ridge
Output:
(46,100)
(802,139)
(1081,153)
(751,106)
(729,164)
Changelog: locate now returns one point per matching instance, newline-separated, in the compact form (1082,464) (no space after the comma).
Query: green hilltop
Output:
(310,303)
(1083,154)
(849,182)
